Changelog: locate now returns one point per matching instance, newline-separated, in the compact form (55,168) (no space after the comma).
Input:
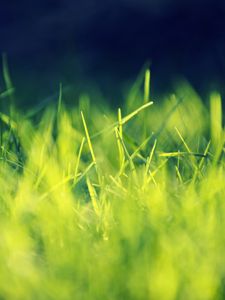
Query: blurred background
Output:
(103,44)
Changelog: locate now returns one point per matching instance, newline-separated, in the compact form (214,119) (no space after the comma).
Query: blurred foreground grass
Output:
(100,204)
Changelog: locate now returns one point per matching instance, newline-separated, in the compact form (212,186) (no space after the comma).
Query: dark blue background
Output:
(107,42)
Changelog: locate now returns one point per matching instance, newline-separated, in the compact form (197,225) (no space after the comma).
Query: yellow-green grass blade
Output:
(8,121)
(147,86)
(93,196)
(217,134)
(88,138)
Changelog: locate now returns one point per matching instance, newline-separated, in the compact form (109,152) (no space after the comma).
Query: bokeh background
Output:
(103,44)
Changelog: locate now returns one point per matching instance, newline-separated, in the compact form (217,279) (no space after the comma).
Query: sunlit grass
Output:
(102,204)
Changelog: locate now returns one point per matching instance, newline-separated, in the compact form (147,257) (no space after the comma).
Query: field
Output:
(98,203)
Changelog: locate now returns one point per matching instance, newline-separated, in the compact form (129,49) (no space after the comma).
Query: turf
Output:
(103,204)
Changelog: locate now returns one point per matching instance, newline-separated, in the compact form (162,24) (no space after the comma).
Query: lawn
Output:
(98,203)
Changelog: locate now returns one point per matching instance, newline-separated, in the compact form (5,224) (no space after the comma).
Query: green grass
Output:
(102,204)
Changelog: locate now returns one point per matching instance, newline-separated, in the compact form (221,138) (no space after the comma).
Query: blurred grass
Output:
(96,204)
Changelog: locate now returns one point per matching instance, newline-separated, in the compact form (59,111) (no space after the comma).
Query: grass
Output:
(99,204)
